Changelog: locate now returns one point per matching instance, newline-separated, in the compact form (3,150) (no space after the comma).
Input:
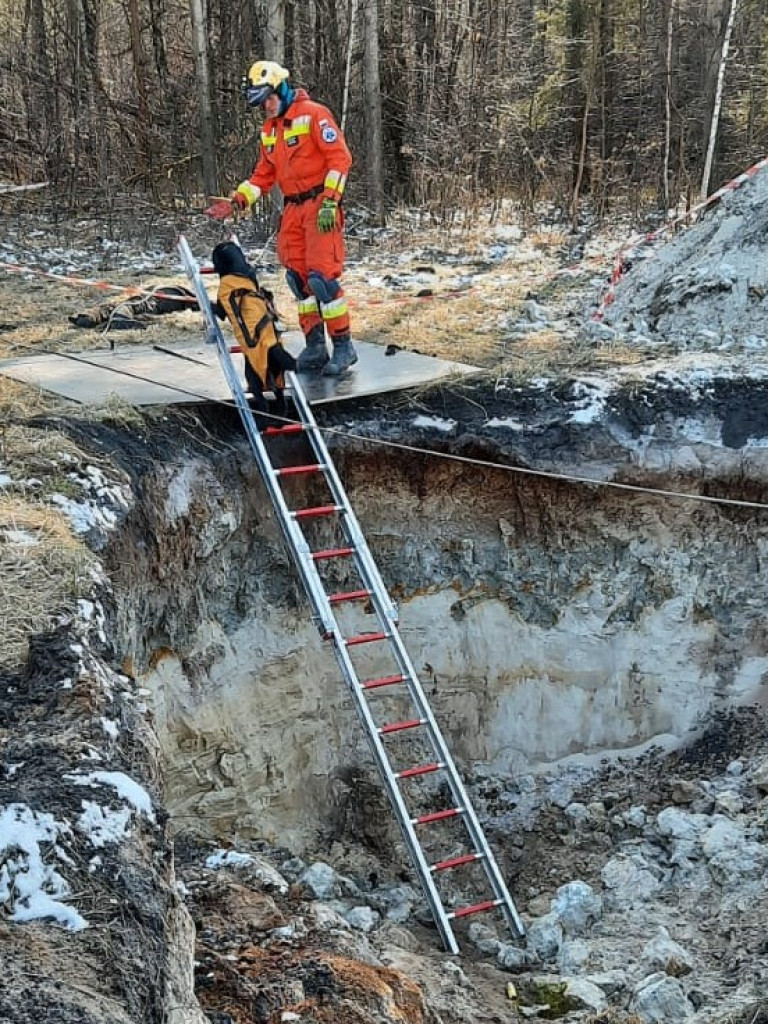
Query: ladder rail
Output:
(350,523)
(459,793)
(402,813)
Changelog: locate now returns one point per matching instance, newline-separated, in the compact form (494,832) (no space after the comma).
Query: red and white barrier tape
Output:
(618,263)
(136,292)
(128,292)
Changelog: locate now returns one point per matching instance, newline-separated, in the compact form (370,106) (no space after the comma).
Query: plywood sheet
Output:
(190,372)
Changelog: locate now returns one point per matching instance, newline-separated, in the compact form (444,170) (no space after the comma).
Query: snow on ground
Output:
(29,883)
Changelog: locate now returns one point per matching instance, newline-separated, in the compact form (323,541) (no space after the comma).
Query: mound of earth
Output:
(706,288)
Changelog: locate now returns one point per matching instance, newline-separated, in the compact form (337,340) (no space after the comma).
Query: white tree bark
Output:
(668,101)
(718,102)
(348,68)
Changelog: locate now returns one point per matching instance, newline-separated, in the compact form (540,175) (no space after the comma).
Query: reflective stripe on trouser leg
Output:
(309,314)
(336,315)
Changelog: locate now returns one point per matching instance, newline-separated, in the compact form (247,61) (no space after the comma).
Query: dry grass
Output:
(43,568)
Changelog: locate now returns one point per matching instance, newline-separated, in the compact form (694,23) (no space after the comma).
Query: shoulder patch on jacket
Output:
(329,134)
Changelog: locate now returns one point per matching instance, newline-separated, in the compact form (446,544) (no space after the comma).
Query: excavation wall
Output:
(546,619)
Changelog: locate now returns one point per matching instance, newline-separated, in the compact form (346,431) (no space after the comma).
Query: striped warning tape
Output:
(107,286)
(136,292)
(619,261)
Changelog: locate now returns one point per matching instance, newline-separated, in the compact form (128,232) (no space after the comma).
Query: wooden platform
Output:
(183,373)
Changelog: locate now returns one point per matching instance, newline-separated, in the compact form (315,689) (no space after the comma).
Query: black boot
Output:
(315,355)
(344,356)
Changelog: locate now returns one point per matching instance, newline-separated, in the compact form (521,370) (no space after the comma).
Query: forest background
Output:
(446,103)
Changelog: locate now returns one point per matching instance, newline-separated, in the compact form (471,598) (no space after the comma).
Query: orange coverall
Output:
(304,153)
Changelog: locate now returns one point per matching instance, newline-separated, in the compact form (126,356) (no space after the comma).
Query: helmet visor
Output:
(256,94)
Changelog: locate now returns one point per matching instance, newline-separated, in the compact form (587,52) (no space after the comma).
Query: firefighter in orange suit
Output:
(303,152)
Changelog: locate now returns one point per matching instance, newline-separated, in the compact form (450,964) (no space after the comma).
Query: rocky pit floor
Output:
(641,879)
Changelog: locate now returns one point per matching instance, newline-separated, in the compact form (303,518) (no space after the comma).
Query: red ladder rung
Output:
(373,684)
(289,428)
(426,819)
(411,723)
(422,769)
(318,510)
(456,862)
(312,467)
(476,908)
(332,553)
(350,595)
(365,638)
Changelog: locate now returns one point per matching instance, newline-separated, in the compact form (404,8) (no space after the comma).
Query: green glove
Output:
(326,215)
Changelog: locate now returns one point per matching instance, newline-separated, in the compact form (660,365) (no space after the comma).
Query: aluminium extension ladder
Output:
(397,766)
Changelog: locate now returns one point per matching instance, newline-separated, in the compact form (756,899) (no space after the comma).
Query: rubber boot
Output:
(315,355)
(343,357)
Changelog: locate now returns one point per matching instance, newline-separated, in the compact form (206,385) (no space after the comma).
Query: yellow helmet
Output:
(264,78)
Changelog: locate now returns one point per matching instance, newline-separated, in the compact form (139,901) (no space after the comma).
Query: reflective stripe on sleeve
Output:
(335,181)
(249,191)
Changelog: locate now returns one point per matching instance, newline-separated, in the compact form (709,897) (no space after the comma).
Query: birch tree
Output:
(717,102)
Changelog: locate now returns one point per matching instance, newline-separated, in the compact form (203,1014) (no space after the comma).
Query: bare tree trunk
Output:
(667,103)
(158,41)
(348,67)
(718,102)
(274,31)
(374,135)
(139,74)
(202,76)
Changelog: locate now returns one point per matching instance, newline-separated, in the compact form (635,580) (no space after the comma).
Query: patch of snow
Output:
(592,395)
(505,423)
(5,480)
(127,789)
(434,423)
(228,859)
(21,538)
(103,825)
(508,232)
(84,516)
(33,887)
(110,728)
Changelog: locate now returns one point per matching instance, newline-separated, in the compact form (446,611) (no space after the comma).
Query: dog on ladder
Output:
(250,310)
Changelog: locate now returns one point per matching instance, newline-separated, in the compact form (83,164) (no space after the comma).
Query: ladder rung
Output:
(318,510)
(476,908)
(455,862)
(373,684)
(365,638)
(332,553)
(289,428)
(312,467)
(422,769)
(426,819)
(350,595)
(412,723)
